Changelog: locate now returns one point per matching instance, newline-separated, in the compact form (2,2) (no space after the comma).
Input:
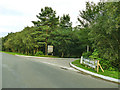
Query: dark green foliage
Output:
(86,54)
(47,17)
(102,21)
(65,22)
(39,53)
(47,22)
(95,55)
(105,33)
(106,65)
(86,17)
(61,39)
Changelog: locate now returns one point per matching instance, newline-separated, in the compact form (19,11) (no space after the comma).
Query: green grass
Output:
(113,74)
(15,53)
(48,56)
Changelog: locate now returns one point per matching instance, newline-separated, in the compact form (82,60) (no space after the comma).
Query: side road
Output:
(59,62)
(96,75)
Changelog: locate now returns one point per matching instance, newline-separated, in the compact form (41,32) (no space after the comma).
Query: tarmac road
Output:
(28,72)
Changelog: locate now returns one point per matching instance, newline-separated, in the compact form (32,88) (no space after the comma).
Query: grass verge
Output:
(48,56)
(113,74)
(15,53)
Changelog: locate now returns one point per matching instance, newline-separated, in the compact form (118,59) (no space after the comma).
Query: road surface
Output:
(28,72)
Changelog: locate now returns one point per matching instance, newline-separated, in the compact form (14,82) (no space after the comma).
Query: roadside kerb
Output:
(97,75)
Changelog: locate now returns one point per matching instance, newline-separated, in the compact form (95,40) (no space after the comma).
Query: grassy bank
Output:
(113,74)
(15,53)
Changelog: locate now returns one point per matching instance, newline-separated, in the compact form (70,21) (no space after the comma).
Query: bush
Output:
(86,54)
(106,65)
(95,55)
(39,53)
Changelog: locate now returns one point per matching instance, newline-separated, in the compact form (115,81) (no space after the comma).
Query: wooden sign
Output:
(50,48)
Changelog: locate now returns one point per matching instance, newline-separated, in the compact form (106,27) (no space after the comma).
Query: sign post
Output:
(81,59)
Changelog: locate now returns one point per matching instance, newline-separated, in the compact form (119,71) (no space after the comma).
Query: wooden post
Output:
(45,48)
(101,68)
(97,65)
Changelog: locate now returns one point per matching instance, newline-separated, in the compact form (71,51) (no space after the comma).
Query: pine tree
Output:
(47,23)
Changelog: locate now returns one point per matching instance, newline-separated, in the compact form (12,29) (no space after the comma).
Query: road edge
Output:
(96,75)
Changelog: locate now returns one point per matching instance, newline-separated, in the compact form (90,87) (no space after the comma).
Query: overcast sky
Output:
(17,14)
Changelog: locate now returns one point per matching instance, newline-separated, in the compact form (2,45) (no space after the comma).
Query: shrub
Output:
(95,55)
(106,65)
(86,54)
(39,53)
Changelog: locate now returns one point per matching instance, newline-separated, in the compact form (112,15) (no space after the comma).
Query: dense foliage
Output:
(99,29)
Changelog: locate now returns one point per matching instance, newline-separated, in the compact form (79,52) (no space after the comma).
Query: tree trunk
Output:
(34,51)
(18,51)
(26,51)
(37,50)
(45,48)
(46,43)
(62,54)
(87,48)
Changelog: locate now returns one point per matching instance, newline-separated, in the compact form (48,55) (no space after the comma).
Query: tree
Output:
(65,22)
(86,17)
(105,33)
(8,42)
(60,37)
(48,22)
(61,41)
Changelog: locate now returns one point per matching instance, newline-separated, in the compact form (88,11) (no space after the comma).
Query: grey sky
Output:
(17,14)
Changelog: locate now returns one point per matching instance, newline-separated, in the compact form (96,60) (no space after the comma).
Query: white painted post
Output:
(81,59)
